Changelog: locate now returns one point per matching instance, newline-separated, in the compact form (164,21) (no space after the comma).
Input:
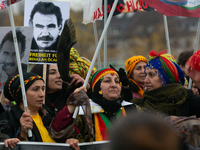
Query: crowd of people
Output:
(147,105)
(133,104)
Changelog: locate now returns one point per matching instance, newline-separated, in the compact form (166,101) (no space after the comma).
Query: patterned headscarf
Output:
(78,65)
(12,88)
(131,62)
(98,76)
(168,70)
(97,95)
(194,61)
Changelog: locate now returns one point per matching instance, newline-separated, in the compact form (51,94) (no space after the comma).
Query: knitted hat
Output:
(131,62)
(99,75)
(194,61)
(78,65)
(12,88)
(168,70)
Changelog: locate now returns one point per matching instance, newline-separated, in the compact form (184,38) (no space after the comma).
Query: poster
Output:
(47,18)
(8,61)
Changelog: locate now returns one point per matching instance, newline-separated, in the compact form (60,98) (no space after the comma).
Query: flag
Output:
(185,8)
(3,3)
(94,9)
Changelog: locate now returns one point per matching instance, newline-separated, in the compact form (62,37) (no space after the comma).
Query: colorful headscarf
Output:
(168,70)
(99,75)
(131,62)
(12,88)
(78,65)
(97,95)
(194,61)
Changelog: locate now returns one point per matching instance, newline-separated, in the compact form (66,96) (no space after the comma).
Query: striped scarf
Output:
(103,124)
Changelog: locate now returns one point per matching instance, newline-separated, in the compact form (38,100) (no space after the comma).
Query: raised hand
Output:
(122,75)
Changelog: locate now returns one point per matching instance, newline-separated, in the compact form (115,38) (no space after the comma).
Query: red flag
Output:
(186,8)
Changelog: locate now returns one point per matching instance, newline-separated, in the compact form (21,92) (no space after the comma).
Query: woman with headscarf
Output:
(106,93)
(55,87)
(39,116)
(16,122)
(164,91)
(135,72)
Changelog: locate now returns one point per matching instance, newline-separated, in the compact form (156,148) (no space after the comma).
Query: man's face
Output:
(8,57)
(46,29)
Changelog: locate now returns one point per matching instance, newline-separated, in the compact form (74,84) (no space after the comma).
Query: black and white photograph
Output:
(8,60)
(48,19)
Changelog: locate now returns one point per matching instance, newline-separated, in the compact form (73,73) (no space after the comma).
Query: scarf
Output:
(140,91)
(167,99)
(103,124)
(109,107)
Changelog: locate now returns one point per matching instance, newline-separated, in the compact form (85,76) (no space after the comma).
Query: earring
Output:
(100,92)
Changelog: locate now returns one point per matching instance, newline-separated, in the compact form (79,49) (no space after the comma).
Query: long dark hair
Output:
(61,96)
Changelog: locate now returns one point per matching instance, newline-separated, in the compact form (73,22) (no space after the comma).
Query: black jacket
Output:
(10,122)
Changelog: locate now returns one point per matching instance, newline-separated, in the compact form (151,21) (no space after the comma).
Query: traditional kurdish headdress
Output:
(110,107)
(12,88)
(131,62)
(78,65)
(168,70)
(98,76)
(194,61)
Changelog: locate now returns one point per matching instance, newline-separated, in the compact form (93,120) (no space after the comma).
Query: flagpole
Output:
(195,49)
(44,74)
(96,43)
(105,36)
(97,50)
(167,34)
(18,62)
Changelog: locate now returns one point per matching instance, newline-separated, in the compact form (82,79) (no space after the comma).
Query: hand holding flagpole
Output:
(97,51)
(18,62)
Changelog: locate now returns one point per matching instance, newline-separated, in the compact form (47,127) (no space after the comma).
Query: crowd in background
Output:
(134,105)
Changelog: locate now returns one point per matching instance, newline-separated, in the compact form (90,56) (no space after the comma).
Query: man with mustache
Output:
(46,18)
(8,61)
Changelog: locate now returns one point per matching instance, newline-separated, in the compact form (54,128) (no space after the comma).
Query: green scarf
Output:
(167,99)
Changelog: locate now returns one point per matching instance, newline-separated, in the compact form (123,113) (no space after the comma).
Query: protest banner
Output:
(94,10)
(48,19)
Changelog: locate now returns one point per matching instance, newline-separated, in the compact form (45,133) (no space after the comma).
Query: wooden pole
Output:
(44,77)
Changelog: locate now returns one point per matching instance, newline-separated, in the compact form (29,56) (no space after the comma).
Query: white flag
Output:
(92,10)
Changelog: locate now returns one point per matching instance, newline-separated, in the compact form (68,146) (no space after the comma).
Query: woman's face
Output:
(35,94)
(110,87)
(54,80)
(152,80)
(138,72)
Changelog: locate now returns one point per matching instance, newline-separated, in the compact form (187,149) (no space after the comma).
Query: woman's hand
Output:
(73,143)
(78,79)
(71,108)
(11,142)
(82,88)
(26,123)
